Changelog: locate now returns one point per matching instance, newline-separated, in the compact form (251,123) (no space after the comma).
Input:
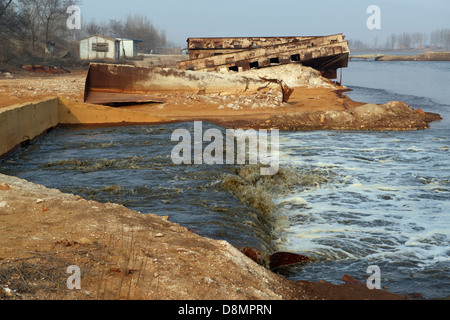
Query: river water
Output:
(347,199)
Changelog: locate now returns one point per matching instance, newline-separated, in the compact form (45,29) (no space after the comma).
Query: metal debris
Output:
(324,53)
(44,69)
(109,84)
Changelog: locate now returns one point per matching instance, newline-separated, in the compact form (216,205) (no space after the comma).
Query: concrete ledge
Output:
(25,122)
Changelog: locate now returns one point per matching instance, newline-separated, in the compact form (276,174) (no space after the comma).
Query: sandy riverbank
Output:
(427,56)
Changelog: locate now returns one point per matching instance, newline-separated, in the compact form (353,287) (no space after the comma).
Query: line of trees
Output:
(438,40)
(27,27)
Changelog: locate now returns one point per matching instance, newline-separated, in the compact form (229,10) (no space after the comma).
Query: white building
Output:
(128,47)
(102,47)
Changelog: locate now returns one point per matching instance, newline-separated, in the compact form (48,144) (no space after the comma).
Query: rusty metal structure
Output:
(123,84)
(324,53)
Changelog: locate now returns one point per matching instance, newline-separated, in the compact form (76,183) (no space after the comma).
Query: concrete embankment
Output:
(22,123)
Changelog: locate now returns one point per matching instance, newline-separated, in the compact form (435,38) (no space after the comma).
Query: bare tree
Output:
(47,17)
(4,6)
(31,16)
(91,27)
(392,41)
(139,27)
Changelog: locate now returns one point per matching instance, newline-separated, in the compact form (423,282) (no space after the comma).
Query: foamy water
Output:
(389,201)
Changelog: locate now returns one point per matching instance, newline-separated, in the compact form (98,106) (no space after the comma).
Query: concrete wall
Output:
(25,122)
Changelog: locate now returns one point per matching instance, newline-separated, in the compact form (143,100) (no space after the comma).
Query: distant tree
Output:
(358,45)
(4,4)
(139,27)
(133,27)
(90,28)
(45,17)
(392,41)
(11,22)
(417,39)
(404,40)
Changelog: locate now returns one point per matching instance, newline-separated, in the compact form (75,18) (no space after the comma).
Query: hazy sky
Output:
(182,19)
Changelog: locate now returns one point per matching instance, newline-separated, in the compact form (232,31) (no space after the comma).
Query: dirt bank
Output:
(25,87)
(427,56)
(123,254)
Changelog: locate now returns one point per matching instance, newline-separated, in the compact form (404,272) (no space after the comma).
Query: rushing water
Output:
(347,199)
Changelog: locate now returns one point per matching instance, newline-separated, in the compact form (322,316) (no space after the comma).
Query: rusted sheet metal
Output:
(115,84)
(44,69)
(327,54)
(285,89)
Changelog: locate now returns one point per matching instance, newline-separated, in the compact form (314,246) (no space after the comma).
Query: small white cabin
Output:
(103,47)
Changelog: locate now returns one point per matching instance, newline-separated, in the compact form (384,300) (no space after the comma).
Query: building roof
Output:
(99,35)
(110,38)
(135,40)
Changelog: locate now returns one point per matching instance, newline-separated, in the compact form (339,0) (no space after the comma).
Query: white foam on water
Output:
(373,209)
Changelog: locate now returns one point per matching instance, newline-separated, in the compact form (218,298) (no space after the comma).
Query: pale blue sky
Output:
(182,19)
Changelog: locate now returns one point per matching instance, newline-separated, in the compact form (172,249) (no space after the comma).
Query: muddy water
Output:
(347,199)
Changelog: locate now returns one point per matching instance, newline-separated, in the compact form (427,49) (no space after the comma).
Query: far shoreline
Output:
(401,56)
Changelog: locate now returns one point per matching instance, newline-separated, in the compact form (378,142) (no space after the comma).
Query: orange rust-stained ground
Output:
(26,87)
(189,108)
